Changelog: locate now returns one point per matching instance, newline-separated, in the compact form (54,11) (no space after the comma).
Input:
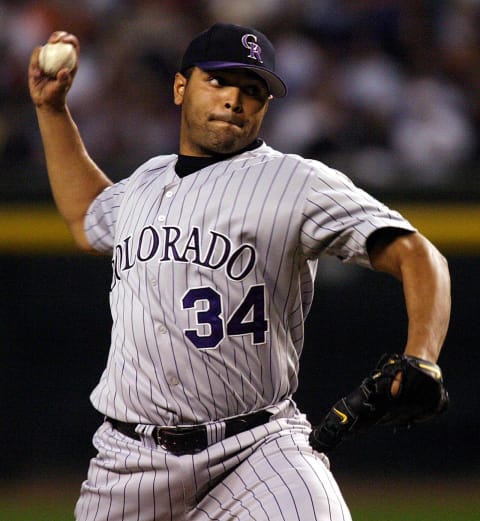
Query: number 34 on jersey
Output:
(211,325)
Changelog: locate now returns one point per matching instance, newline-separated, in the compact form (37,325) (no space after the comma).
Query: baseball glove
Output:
(421,396)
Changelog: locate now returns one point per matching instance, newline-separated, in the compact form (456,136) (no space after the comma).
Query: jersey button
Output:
(173,380)
(162,329)
(168,194)
(161,218)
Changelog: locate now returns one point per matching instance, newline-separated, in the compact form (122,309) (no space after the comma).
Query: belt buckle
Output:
(181,440)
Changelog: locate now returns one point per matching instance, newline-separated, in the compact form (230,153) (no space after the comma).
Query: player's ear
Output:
(179,88)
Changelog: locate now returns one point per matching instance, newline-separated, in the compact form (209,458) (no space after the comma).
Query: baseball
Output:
(56,56)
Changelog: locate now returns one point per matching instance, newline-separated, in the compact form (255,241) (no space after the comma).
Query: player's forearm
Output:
(74,178)
(426,286)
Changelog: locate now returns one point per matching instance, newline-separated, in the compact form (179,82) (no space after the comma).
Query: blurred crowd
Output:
(385,90)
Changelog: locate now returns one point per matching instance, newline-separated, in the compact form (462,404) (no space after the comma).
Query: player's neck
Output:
(189,164)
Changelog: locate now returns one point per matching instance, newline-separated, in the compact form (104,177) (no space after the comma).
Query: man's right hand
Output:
(45,91)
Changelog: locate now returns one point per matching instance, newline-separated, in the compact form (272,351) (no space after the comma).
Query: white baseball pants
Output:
(268,473)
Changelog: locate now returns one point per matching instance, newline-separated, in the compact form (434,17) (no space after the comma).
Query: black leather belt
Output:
(192,438)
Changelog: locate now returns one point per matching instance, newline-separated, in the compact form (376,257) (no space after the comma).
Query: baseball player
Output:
(214,253)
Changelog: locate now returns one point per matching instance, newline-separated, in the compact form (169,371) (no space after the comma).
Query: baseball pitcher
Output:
(214,251)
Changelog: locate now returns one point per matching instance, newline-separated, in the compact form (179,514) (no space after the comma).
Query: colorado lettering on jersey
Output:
(169,244)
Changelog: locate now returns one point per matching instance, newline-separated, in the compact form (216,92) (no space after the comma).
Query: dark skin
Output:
(222,113)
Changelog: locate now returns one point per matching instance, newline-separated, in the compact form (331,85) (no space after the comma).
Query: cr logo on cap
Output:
(249,41)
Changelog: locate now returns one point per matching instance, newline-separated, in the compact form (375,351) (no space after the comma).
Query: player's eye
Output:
(256,91)
(217,81)
(252,90)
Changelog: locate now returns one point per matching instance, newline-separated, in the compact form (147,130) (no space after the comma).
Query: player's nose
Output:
(233,100)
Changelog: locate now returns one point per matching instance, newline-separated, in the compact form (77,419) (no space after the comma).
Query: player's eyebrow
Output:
(243,79)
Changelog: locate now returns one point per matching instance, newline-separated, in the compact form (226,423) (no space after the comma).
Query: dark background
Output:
(386,91)
(54,330)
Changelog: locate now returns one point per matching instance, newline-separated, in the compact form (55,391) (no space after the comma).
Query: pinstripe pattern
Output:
(287,210)
(238,478)
(212,279)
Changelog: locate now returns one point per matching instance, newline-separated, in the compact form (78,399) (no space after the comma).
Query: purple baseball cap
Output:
(229,46)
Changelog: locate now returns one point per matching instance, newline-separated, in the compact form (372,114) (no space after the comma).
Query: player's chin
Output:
(227,148)
(228,143)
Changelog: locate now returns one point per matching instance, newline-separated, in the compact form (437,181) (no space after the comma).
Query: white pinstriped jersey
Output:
(213,277)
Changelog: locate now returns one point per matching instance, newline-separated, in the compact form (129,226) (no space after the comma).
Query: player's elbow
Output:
(417,248)
(80,238)
(418,256)
(407,250)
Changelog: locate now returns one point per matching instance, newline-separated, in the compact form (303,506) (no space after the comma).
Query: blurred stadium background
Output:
(385,90)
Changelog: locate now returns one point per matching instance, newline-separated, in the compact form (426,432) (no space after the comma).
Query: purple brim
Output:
(275,84)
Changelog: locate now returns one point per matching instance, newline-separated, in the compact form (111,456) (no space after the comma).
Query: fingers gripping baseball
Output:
(401,390)
(52,70)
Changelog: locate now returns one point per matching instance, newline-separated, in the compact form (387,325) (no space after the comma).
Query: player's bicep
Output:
(77,229)
(339,217)
(101,219)
(388,247)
